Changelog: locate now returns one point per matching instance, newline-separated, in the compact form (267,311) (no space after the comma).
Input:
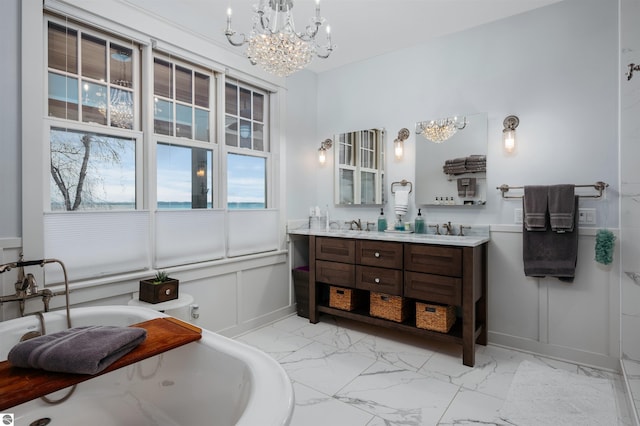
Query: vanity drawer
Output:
(336,249)
(341,274)
(433,259)
(433,288)
(382,280)
(379,253)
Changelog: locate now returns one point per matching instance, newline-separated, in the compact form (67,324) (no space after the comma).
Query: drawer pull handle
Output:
(384,298)
(377,254)
(377,280)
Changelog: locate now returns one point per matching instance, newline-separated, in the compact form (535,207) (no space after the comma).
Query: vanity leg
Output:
(482,315)
(469,282)
(313,291)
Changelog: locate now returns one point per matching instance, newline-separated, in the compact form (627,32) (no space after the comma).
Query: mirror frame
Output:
(349,148)
(433,158)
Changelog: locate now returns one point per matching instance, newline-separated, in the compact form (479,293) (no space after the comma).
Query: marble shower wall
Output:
(630,197)
(630,180)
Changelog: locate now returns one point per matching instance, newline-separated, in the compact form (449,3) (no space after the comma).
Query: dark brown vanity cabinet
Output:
(451,275)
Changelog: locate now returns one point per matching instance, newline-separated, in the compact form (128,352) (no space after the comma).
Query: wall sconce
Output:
(509,133)
(398,143)
(322,151)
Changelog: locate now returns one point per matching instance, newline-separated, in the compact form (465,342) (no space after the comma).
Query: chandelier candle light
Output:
(273,41)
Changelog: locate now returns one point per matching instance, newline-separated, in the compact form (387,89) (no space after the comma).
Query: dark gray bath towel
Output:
(551,253)
(561,207)
(82,350)
(534,208)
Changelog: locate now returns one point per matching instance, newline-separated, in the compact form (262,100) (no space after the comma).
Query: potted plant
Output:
(159,289)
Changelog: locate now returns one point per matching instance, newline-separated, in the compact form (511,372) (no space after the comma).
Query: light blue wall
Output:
(10,155)
(555,67)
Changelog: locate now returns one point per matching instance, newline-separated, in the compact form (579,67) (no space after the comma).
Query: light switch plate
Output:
(587,216)
(517,216)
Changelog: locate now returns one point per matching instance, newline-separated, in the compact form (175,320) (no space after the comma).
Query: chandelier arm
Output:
(231,33)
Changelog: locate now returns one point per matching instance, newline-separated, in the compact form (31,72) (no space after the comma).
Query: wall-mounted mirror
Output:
(452,171)
(359,167)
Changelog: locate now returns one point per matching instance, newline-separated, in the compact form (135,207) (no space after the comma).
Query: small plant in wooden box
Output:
(159,289)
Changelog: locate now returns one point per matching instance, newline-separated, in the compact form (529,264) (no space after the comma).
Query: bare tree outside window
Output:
(91,171)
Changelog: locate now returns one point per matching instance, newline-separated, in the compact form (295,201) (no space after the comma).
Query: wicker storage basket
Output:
(342,298)
(394,308)
(435,317)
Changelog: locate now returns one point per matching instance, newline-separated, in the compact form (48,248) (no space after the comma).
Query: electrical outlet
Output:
(517,216)
(587,216)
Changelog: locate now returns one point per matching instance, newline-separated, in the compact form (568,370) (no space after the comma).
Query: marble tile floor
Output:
(347,373)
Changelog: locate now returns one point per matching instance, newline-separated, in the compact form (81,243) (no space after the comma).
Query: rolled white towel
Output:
(401,201)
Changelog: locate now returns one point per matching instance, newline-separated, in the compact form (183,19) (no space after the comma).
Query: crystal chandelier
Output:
(439,131)
(120,107)
(273,41)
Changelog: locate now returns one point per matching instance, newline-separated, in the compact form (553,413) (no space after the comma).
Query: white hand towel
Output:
(401,201)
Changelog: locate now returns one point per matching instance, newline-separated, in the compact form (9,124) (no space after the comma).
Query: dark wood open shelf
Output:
(408,326)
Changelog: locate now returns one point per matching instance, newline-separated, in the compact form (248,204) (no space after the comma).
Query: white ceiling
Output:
(360,28)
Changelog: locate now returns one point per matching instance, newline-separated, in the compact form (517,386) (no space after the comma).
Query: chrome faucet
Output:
(437,226)
(462,228)
(357,223)
(448,227)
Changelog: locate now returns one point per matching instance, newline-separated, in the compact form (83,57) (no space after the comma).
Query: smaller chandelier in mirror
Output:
(440,130)
(274,43)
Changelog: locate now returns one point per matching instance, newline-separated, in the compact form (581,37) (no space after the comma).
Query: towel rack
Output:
(403,182)
(598,186)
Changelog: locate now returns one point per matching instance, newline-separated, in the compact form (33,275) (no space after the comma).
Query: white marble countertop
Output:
(404,237)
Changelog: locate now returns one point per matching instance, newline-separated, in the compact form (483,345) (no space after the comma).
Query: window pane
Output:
(367,188)
(202,125)
(346,187)
(246,182)
(231,99)
(94,98)
(121,66)
(231,131)
(121,112)
(162,79)
(94,62)
(185,177)
(245,134)
(202,90)
(183,85)
(62,48)
(106,183)
(163,117)
(63,97)
(245,103)
(184,116)
(258,107)
(258,137)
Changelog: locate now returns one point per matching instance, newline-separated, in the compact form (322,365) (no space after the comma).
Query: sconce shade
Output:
(398,148)
(398,143)
(509,133)
(509,140)
(322,151)
(322,155)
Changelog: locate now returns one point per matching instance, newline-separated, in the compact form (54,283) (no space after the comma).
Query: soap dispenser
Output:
(382,221)
(419,225)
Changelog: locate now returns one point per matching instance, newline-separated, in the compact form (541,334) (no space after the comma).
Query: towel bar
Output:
(598,186)
(403,182)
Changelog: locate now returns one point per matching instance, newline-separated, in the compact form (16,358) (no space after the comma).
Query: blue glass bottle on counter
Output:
(419,224)
(382,221)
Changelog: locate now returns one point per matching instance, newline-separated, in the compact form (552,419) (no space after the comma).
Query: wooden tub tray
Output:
(19,385)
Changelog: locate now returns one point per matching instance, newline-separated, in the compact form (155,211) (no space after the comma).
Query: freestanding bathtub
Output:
(214,381)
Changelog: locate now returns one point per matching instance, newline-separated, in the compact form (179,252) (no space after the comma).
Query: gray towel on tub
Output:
(82,350)
(561,207)
(534,207)
(550,253)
